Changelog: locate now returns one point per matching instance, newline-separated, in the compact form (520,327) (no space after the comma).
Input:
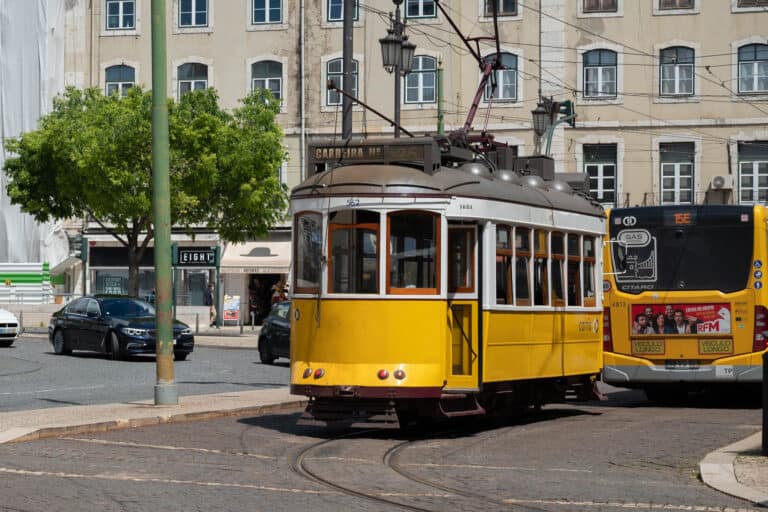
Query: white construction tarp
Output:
(31,74)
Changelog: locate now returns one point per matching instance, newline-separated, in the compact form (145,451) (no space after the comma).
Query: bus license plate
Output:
(715,346)
(643,347)
(681,364)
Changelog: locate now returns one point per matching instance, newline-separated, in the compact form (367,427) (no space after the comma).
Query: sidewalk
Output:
(739,470)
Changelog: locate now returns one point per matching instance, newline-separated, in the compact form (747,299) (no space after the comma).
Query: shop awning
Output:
(63,266)
(257,258)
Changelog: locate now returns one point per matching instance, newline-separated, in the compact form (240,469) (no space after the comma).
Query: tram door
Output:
(462,307)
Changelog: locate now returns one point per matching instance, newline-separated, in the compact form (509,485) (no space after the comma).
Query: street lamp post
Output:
(397,55)
(545,118)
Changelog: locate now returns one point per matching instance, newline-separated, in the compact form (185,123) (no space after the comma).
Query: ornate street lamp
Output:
(541,119)
(397,55)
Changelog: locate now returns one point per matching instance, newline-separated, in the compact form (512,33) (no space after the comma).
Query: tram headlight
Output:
(399,374)
(307,373)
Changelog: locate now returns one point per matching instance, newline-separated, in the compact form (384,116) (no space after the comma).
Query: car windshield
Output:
(280,310)
(127,308)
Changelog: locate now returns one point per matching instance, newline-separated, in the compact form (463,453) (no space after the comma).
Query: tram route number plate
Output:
(718,346)
(643,347)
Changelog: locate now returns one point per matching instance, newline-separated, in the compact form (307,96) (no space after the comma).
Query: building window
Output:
(600,74)
(268,74)
(753,172)
(600,5)
(118,79)
(336,10)
(506,8)
(335,72)
(308,246)
(753,68)
(421,81)
(267,11)
(354,265)
(752,3)
(675,4)
(192,77)
(505,78)
(600,166)
(676,71)
(412,256)
(193,13)
(677,172)
(121,14)
(420,9)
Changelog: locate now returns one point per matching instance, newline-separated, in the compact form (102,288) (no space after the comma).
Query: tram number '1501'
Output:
(353,203)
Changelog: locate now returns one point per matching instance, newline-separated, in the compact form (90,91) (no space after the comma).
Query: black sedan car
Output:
(274,338)
(114,325)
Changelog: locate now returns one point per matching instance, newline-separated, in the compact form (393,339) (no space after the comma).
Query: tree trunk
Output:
(133,271)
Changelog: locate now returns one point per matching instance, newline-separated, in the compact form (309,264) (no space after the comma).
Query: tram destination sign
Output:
(421,149)
(195,257)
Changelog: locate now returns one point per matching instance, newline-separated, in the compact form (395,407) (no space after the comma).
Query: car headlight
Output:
(186,331)
(130,331)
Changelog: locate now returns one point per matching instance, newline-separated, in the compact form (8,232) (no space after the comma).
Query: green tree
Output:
(92,157)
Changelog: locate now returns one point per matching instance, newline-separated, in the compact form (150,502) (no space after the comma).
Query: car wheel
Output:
(180,356)
(60,346)
(264,353)
(6,344)
(114,347)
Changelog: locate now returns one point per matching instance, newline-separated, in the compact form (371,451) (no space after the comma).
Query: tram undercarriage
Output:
(351,406)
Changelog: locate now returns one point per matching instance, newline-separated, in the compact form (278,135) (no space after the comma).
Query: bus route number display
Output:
(196,256)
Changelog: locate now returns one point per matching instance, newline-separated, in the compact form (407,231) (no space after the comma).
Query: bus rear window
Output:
(682,257)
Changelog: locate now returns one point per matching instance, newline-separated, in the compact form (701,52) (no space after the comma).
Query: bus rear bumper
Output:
(628,371)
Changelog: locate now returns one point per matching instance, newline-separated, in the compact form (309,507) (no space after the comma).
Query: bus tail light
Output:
(761,326)
(607,338)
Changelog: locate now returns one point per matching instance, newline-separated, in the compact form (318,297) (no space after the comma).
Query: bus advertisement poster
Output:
(654,319)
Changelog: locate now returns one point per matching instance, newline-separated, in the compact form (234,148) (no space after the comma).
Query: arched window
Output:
(335,71)
(118,79)
(753,68)
(268,74)
(421,81)
(676,71)
(193,76)
(600,74)
(506,79)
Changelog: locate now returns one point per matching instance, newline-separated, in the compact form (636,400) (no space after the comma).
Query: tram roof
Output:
(402,180)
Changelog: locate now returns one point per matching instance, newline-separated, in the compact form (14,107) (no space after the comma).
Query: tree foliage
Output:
(92,157)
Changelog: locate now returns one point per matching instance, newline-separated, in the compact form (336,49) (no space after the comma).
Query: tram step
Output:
(452,406)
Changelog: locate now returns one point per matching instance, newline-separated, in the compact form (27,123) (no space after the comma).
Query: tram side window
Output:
(590,265)
(504,264)
(308,252)
(540,277)
(354,251)
(523,266)
(558,260)
(413,256)
(573,281)
(461,244)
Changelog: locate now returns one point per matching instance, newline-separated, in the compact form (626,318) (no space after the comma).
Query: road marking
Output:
(168,447)
(53,390)
(495,468)
(631,506)
(129,478)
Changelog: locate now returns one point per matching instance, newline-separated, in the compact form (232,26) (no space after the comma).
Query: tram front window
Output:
(413,261)
(354,252)
(308,252)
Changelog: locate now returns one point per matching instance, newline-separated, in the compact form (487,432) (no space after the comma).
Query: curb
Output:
(716,470)
(20,435)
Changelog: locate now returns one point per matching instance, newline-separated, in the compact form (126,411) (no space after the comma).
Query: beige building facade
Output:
(671,96)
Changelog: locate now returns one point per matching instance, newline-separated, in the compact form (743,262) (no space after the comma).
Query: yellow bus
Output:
(685,305)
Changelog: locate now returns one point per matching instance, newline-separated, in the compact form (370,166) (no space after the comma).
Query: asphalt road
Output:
(33,377)
(622,454)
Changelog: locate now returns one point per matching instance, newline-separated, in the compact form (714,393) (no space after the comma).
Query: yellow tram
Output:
(428,282)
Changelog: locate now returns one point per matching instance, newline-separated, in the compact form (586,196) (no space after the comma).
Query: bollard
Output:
(765,403)
(21,321)
(197,323)
(253,320)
